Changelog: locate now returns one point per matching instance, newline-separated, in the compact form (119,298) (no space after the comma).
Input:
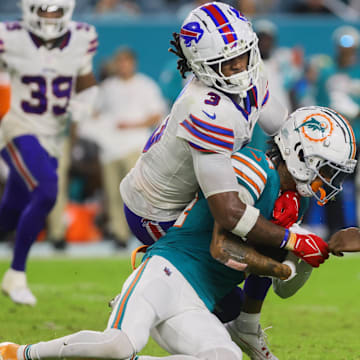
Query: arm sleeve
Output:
(214,173)
(245,196)
(273,115)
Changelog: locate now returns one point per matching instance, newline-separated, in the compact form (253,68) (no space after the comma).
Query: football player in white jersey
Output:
(49,59)
(213,116)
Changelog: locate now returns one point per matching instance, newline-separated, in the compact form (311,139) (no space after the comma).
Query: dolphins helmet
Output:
(318,147)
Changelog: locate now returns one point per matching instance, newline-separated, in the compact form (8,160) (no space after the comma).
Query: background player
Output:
(181,266)
(53,62)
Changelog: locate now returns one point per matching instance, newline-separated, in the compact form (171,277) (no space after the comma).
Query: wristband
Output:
(290,244)
(285,239)
(246,222)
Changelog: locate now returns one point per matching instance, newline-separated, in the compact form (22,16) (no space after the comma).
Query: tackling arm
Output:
(228,209)
(218,182)
(234,253)
(272,116)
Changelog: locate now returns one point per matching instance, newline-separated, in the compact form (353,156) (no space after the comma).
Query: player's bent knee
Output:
(220,353)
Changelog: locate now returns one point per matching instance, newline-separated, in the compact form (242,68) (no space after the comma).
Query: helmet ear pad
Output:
(206,44)
(47,28)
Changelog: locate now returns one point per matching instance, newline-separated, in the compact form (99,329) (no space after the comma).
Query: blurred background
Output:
(310,51)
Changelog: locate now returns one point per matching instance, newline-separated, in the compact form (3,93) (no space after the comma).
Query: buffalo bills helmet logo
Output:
(191,32)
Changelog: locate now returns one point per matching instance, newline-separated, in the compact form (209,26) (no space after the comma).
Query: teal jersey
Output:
(259,139)
(186,244)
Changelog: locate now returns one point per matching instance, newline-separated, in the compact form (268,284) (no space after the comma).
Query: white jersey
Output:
(43,80)
(163,181)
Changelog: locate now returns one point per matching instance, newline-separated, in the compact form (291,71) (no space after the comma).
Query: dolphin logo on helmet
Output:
(316,127)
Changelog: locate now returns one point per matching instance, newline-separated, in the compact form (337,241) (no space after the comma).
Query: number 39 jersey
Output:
(42,79)
(163,181)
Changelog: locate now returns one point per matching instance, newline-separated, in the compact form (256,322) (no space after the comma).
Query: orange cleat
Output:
(8,351)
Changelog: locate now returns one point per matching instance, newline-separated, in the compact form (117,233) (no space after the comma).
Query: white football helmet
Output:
(214,33)
(47,28)
(317,142)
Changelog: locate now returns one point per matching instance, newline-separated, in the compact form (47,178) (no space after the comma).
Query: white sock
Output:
(248,322)
(110,344)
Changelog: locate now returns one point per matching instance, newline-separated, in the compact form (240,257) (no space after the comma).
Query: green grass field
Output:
(321,322)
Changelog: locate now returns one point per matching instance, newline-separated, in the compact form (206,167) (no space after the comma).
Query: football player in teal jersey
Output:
(189,270)
(299,148)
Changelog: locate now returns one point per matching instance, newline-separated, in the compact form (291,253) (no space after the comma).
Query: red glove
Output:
(286,209)
(308,247)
